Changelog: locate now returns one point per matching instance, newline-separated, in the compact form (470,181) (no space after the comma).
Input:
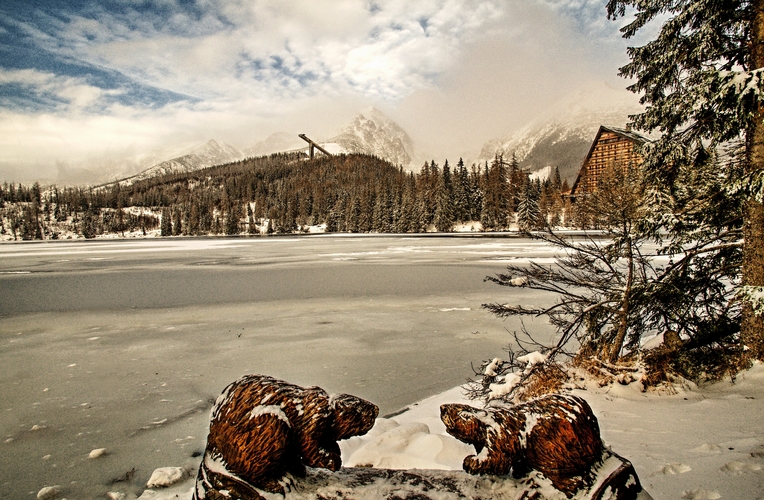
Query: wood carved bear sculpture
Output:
(557,435)
(263,429)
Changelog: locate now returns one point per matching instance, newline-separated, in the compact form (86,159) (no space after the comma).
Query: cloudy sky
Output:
(85,83)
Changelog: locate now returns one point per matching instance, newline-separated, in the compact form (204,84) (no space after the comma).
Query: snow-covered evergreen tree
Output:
(495,200)
(701,79)
(444,213)
(528,210)
(232,220)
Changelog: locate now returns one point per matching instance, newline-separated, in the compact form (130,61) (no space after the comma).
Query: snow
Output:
(754,295)
(372,132)
(166,476)
(468,227)
(532,358)
(541,174)
(97,453)
(519,281)
(493,366)
(48,493)
(333,148)
(503,387)
(274,410)
(652,342)
(700,443)
(206,155)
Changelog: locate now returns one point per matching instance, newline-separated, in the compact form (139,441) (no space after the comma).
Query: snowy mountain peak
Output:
(372,132)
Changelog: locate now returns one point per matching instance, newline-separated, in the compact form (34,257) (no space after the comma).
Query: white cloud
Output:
(302,46)
(454,73)
(74,93)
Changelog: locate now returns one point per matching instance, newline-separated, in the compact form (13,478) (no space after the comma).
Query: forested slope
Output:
(285,193)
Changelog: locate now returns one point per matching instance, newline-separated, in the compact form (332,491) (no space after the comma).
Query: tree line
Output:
(287,193)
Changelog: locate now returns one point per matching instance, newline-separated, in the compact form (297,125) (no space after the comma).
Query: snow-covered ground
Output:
(700,443)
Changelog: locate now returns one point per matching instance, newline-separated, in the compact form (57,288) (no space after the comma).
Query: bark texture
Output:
(752,327)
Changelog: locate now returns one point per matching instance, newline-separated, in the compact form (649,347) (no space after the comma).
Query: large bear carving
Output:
(557,435)
(262,430)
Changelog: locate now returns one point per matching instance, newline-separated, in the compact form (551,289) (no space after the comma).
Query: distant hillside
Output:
(281,193)
(207,155)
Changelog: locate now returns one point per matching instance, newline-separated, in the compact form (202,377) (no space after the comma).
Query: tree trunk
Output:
(752,327)
(623,322)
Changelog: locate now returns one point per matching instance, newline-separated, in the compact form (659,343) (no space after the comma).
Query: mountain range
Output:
(559,139)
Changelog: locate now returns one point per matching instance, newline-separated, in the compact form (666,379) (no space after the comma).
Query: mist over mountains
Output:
(370,132)
(562,139)
(559,139)
(207,155)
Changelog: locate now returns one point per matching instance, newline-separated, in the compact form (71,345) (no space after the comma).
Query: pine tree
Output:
(444,217)
(205,219)
(515,183)
(461,192)
(90,224)
(177,224)
(475,194)
(555,200)
(528,211)
(702,79)
(353,219)
(165,229)
(495,211)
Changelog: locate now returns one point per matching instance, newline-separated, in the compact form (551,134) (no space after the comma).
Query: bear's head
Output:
(465,423)
(353,416)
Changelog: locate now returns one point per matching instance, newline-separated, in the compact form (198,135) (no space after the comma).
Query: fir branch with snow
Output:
(700,79)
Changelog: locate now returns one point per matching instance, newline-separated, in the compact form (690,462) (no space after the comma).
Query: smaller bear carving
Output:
(557,435)
(263,429)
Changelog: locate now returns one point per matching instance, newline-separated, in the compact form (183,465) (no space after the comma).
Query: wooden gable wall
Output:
(611,148)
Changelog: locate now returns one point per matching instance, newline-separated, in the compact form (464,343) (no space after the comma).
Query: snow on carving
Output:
(255,447)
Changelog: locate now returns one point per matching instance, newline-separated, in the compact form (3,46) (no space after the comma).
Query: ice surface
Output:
(124,345)
(393,327)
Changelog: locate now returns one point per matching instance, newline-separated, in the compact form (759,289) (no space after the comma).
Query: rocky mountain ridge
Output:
(371,132)
(209,154)
(559,139)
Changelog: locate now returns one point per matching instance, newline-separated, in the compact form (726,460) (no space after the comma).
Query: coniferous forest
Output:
(287,193)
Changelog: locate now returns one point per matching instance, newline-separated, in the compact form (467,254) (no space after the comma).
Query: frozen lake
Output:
(123,344)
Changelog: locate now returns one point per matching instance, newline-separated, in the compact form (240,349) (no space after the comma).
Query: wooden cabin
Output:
(612,147)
